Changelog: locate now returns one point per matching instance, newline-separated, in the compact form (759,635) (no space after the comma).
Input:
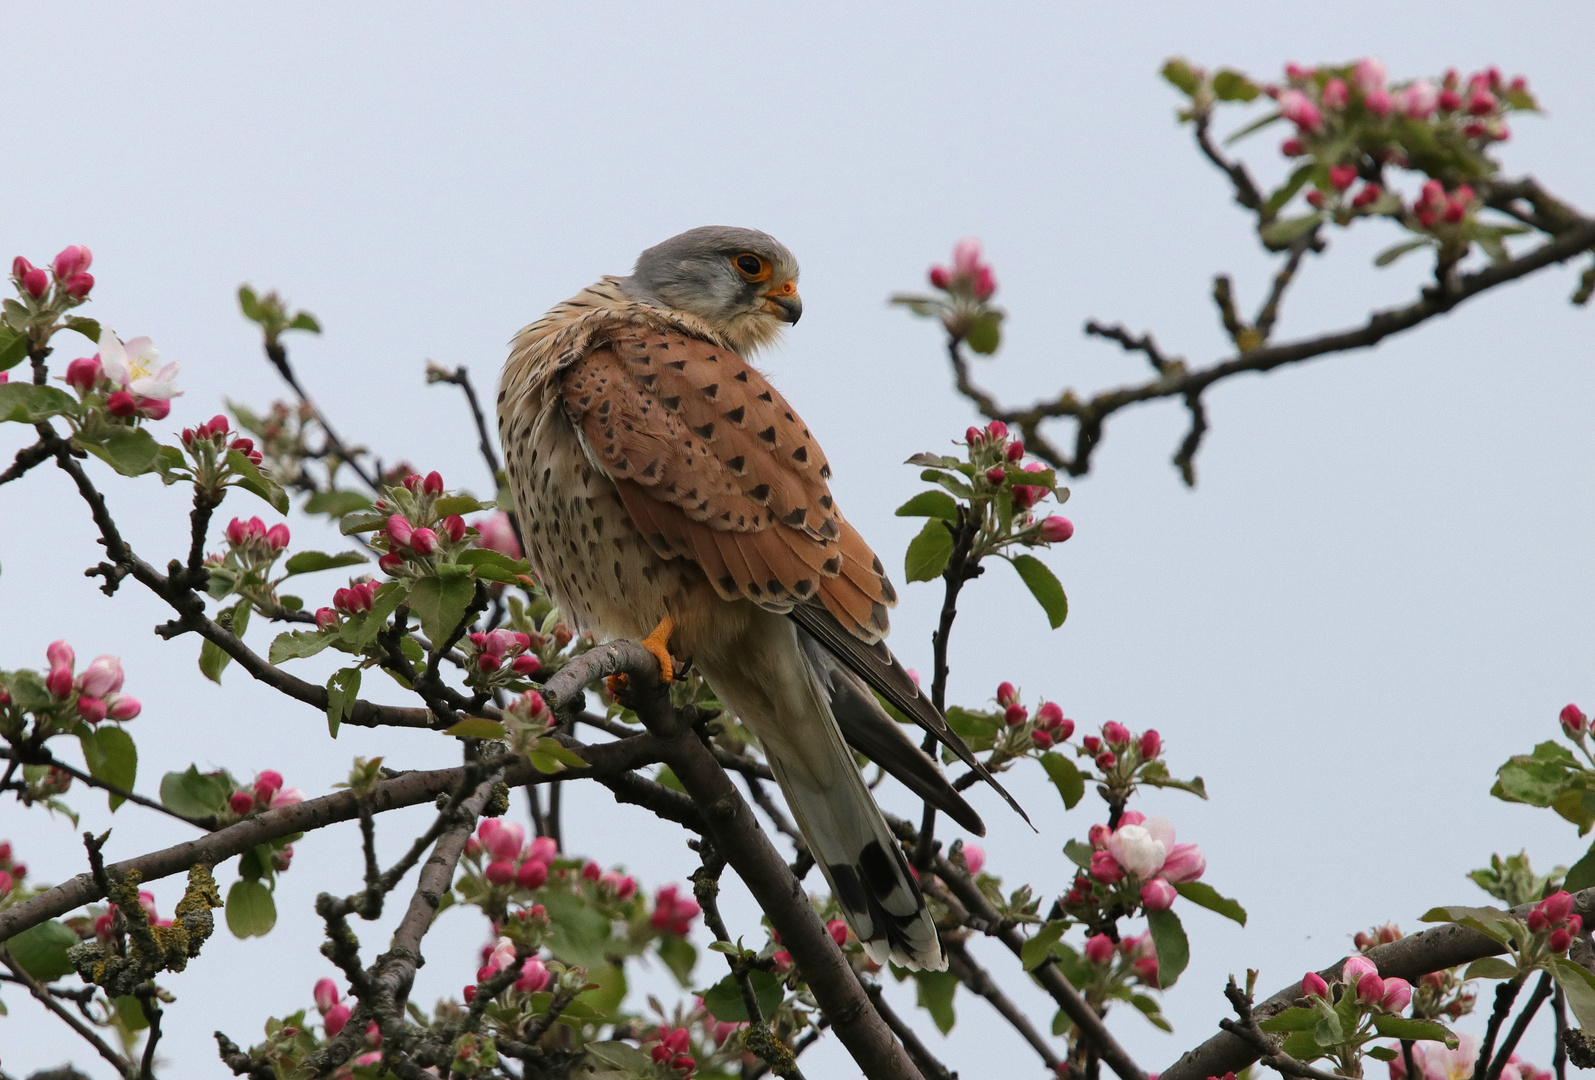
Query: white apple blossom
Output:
(1137,850)
(136,366)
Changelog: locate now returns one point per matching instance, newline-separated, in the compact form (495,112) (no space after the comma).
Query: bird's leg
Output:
(657,643)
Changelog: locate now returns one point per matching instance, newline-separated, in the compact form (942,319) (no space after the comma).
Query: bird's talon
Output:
(616,685)
(658,643)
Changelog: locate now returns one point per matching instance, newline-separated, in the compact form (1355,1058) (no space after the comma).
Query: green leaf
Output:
(1579,986)
(193,793)
(251,912)
(1231,85)
(1491,967)
(476,727)
(440,605)
(1492,922)
(624,1058)
(13,348)
(111,757)
(1179,72)
(29,404)
(1328,1030)
(336,503)
(87,327)
(1582,874)
(1282,232)
(342,689)
(130,1013)
(724,998)
(680,957)
(359,521)
(1256,125)
(296,644)
(250,303)
(1044,586)
(1296,1019)
(1173,950)
(213,659)
(1078,853)
(385,602)
(309,562)
(1204,895)
(305,321)
(1287,191)
(932,504)
(978,730)
(459,504)
(41,950)
(985,332)
(1035,952)
(130,451)
(928,552)
(1065,777)
(1156,773)
(256,482)
(1381,1053)
(1302,1046)
(1150,1009)
(1395,251)
(563,754)
(494,566)
(1042,478)
(1399,1027)
(936,989)
(947,480)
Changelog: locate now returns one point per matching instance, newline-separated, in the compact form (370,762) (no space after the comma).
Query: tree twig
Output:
(121,1064)
(979,981)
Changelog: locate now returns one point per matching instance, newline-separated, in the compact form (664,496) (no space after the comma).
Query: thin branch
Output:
(121,1064)
(1267,1048)
(1559,1057)
(1542,990)
(1247,193)
(923,1058)
(279,359)
(151,1006)
(26,458)
(1131,343)
(484,441)
(1505,994)
(979,981)
(41,756)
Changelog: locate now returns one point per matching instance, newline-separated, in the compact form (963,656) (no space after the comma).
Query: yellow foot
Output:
(658,643)
(616,685)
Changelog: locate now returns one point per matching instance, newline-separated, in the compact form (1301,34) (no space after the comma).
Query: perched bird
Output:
(666,491)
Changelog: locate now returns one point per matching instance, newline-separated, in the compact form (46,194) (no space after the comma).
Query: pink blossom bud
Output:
(1537,922)
(242,802)
(1055,530)
(1091,743)
(1450,100)
(1335,94)
(1315,198)
(326,618)
(488,663)
(153,408)
(1185,862)
(1560,939)
(838,931)
(1064,729)
(1014,715)
(326,995)
(1158,895)
(84,374)
(1575,923)
(59,681)
(1105,868)
(1369,194)
(424,541)
(78,285)
(684,1063)
(91,709)
(1151,744)
(940,277)
(36,282)
(374,1037)
(1007,694)
(526,665)
(121,404)
(544,850)
(1299,109)
(534,976)
(433,484)
(237,531)
(1132,817)
(592,872)
(531,875)
(996,474)
(287,797)
(503,842)
(270,779)
(1455,212)
(102,925)
(1099,948)
(277,537)
(985,283)
(390,563)
(1558,906)
(496,534)
(1370,988)
(469,993)
(1292,147)
(1480,103)
(124,707)
(1355,968)
(1573,719)
(996,431)
(1016,450)
(335,1018)
(20,266)
(966,256)
(1098,835)
(1397,995)
(454,527)
(626,888)
(1313,985)
(1342,176)
(1379,103)
(974,858)
(60,654)
(1107,760)
(1041,737)
(400,529)
(973,435)
(1115,734)
(72,260)
(500,872)
(1418,100)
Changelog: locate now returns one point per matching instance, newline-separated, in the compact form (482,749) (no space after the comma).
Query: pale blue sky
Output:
(1378,592)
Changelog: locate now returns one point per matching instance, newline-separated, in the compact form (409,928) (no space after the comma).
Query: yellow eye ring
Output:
(751,266)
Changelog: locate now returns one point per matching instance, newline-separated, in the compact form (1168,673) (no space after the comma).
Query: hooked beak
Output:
(787,306)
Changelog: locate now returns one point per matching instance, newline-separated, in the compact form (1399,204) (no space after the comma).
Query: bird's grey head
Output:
(741,282)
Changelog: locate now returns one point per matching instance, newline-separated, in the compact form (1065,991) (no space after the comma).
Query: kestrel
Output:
(667,491)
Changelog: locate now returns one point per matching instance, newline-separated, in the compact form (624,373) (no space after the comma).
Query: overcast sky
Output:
(1378,592)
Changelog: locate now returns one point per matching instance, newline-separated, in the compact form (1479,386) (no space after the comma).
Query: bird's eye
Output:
(752,267)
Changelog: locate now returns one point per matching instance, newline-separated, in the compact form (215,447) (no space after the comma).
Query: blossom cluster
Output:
(1361,979)
(1047,728)
(128,379)
(414,531)
(502,650)
(671,1046)
(1436,1061)
(266,793)
(68,275)
(500,956)
(1141,858)
(215,434)
(964,304)
(1554,917)
(1136,952)
(673,913)
(335,1015)
(970,273)
(11,872)
(508,861)
(993,452)
(98,687)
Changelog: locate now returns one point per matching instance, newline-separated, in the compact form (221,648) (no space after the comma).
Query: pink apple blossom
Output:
(496,534)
